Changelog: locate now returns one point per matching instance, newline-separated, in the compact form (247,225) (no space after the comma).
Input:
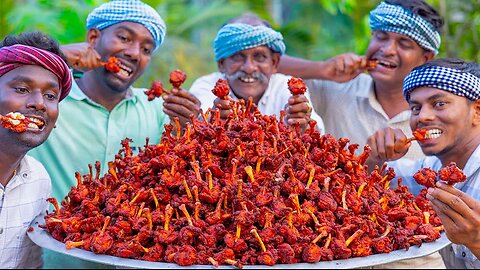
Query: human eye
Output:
(21,89)
(147,50)
(439,104)
(237,57)
(260,57)
(415,109)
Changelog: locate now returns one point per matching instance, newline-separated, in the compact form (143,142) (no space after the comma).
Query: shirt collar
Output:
(21,176)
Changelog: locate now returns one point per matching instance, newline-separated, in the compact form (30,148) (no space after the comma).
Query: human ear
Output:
(275,62)
(476,112)
(93,35)
(221,66)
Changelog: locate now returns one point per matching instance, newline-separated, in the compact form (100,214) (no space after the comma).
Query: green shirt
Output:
(86,132)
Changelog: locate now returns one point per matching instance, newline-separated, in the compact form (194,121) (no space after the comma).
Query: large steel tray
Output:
(42,238)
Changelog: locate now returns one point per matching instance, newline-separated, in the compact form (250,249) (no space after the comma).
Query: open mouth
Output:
(247,79)
(125,71)
(433,133)
(386,64)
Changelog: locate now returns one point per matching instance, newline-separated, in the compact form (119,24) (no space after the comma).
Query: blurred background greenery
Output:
(314,29)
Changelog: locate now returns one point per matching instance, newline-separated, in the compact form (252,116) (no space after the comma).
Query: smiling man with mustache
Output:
(33,80)
(247,51)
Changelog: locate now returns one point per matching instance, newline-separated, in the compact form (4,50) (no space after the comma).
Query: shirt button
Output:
(464,254)
(1,230)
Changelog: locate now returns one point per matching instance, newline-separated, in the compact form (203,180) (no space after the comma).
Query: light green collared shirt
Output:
(86,132)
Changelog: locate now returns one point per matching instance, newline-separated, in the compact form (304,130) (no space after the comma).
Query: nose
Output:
(249,65)
(37,101)
(133,51)
(389,47)
(425,115)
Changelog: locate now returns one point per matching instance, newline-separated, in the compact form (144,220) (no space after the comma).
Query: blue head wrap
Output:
(236,37)
(460,83)
(394,18)
(118,11)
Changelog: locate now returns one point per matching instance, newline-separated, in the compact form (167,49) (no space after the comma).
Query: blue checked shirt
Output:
(454,256)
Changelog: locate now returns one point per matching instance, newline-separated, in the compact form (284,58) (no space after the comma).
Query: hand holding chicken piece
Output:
(298,108)
(459,213)
(387,144)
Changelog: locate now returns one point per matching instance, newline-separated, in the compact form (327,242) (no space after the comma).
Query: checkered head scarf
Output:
(460,83)
(118,11)
(236,37)
(12,57)
(394,18)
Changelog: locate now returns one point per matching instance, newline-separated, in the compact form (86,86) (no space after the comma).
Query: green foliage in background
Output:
(314,29)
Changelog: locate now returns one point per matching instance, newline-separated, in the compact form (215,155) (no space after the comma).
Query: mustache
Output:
(255,75)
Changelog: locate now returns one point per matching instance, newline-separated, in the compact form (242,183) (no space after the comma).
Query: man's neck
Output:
(9,164)
(462,153)
(391,99)
(99,93)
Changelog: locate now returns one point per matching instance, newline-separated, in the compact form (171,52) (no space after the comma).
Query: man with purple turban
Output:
(34,78)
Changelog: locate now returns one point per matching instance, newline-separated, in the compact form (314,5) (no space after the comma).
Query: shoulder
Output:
(205,83)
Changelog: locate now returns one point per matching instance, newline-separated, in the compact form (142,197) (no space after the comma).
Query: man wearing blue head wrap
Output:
(444,98)
(103,108)
(405,34)
(248,51)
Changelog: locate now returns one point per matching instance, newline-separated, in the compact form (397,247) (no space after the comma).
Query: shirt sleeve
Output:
(202,89)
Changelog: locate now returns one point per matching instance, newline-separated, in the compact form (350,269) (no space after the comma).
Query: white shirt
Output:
(272,101)
(454,256)
(23,199)
(351,110)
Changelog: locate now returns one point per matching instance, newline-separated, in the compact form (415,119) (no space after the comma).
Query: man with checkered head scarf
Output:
(444,98)
(247,51)
(353,104)
(34,78)
(103,108)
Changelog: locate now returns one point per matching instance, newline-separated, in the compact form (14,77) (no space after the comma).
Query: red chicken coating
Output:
(177,78)
(221,89)
(296,86)
(426,177)
(451,174)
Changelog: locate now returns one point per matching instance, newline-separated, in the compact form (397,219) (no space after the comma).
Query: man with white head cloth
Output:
(247,51)
(103,108)
(354,105)
(405,34)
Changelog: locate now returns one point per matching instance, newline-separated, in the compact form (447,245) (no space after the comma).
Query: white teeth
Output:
(123,73)
(386,64)
(32,125)
(433,133)
(247,79)
(127,69)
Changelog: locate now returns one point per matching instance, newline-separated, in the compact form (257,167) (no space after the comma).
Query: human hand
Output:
(180,103)
(344,67)
(386,145)
(298,110)
(225,107)
(459,213)
(81,56)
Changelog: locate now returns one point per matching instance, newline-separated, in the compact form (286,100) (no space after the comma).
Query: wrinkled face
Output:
(248,72)
(34,92)
(397,55)
(132,44)
(448,118)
